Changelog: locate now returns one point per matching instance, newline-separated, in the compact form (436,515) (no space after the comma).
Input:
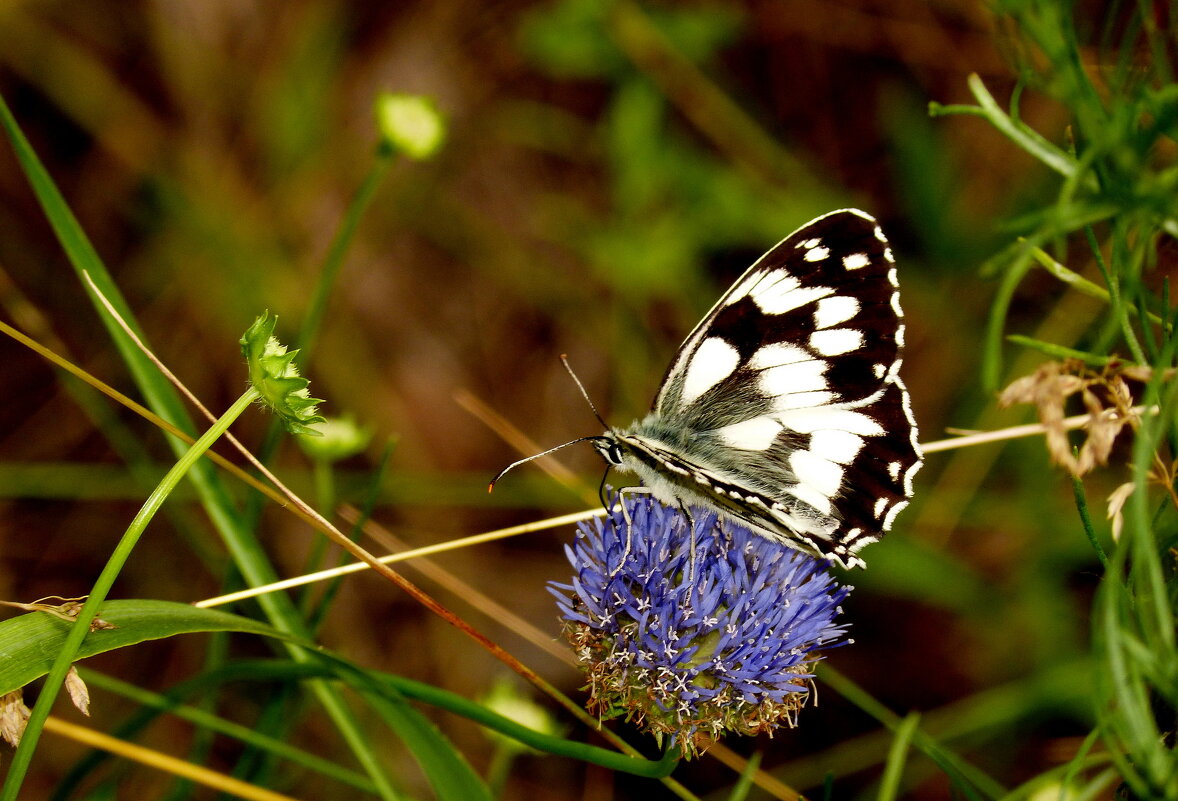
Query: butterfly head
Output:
(609,447)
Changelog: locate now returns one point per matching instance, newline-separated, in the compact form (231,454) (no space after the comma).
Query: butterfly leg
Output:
(622,492)
(690,543)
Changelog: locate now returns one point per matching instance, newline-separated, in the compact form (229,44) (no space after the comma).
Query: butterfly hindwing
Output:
(784,407)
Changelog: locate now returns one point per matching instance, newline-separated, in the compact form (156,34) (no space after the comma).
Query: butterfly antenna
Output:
(527,459)
(564,359)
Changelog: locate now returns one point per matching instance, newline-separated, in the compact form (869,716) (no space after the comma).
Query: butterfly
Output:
(784,409)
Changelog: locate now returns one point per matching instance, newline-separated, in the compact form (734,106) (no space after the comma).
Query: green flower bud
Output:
(275,377)
(410,124)
(341,438)
(505,699)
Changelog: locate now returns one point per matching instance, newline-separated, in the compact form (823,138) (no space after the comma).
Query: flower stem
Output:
(102,586)
(339,247)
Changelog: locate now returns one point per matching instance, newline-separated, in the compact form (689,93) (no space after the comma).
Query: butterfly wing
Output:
(788,392)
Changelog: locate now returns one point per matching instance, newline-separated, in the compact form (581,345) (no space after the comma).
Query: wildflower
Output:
(693,646)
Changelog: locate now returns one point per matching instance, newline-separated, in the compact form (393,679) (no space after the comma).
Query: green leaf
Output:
(30,642)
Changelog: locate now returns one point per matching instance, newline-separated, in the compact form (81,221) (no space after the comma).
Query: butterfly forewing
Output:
(784,407)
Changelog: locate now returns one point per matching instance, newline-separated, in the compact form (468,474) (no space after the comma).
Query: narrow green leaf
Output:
(889,787)
(450,775)
(31,641)
(740,790)
(1059,351)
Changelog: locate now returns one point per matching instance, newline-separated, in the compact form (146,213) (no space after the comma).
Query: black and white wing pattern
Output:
(784,408)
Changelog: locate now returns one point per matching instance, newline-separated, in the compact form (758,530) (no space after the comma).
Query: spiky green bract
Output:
(275,377)
(693,646)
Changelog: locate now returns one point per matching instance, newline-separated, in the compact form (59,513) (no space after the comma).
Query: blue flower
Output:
(693,646)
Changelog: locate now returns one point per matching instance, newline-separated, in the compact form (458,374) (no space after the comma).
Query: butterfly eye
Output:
(615,454)
(610,450)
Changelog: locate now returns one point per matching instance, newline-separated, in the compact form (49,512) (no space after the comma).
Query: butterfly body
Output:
(784,409)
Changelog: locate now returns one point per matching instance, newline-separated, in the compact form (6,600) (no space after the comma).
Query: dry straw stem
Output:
(156,759)
(465,542)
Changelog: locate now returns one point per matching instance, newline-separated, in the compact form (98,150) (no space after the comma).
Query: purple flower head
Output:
(695,646)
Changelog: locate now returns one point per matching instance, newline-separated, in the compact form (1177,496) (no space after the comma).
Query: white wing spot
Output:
(756,434)
(888,256)
(879,234)
(810,243)
(896,304)
(897,507)
(741,288)
(894,372)
(807,494)
(787,379)
(816,254)
(881,506)
(836,341)
(835,310)
(807,421)
(910,473)
(858,544)
(900,336)
(778,354)
(856,261)
(779,292)
(836,446)
(894,470)
(893,277)
(879,370)
(801,400)
(710,364)
(816,472)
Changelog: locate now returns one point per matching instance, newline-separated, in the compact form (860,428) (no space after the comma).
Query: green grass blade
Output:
(450,775)
(894,768)
(744,784)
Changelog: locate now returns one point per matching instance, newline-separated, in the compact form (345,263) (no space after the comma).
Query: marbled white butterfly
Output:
(784,409)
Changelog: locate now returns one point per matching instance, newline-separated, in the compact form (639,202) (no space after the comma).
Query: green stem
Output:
(339,246)
(500,769)
(1023,136)
(102,586)
(1086,519)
